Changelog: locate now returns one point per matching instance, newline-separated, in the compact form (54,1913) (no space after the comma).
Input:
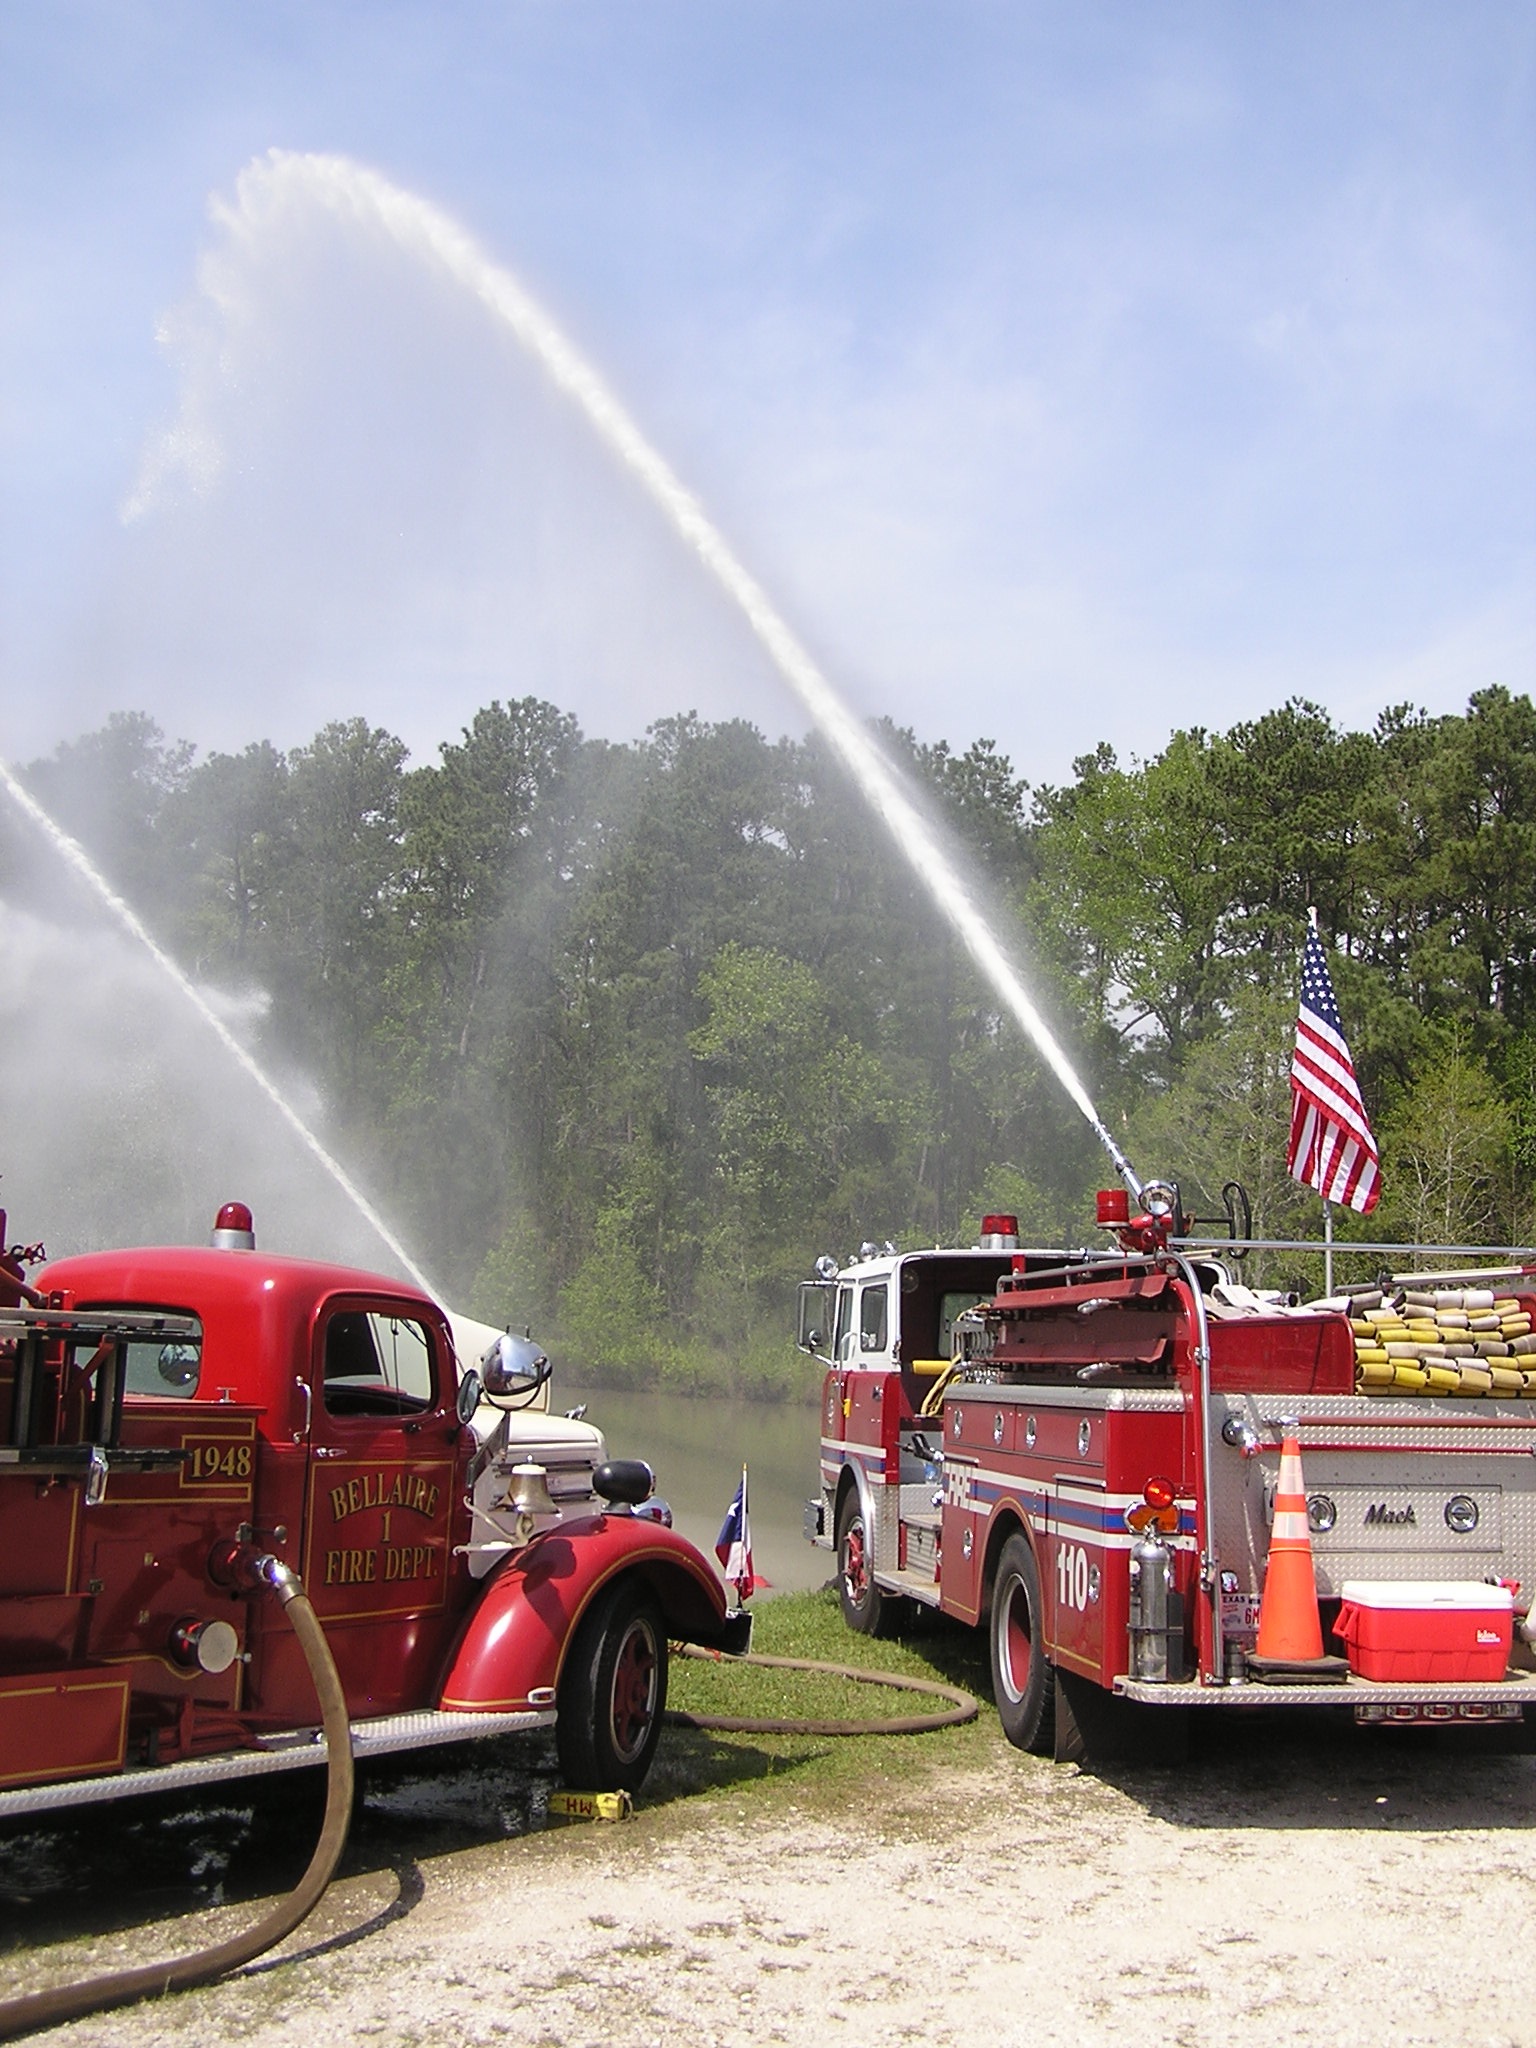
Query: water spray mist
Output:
(358,196)
(76,856)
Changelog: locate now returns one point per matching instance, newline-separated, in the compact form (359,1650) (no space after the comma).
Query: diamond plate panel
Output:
(1389,1467)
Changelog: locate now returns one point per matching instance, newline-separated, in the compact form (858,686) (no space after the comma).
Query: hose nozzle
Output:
(1118,1160)
(242,1568)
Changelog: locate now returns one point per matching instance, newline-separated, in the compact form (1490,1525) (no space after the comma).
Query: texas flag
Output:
(733,1546)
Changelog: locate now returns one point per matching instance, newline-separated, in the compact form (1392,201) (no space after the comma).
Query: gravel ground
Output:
(1284,1887)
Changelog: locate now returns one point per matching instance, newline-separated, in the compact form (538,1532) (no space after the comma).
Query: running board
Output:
(291,1750)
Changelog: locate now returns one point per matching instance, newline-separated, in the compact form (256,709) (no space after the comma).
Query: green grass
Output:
(825,1769)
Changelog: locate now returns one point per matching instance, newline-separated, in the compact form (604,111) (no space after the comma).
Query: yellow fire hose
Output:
(154,1980)
(963,1705)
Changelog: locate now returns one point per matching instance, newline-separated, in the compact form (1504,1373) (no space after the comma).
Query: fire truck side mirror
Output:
(817,1298)
(468,1399)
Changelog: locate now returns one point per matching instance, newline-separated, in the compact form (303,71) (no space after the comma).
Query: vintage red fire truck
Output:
(1078,1452)
(180,1429)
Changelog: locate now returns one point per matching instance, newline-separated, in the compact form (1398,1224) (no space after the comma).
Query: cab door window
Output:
(842,1348)
(872,1317)
(377,1364)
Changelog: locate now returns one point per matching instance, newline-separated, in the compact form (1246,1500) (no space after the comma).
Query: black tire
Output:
(866,1609)
(1023,1682)
(613,1692)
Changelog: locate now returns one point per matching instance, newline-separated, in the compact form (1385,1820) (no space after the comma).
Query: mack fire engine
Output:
(1078,1451)
(183,1430)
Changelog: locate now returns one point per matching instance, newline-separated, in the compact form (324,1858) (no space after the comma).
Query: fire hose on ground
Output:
(155,1980)
(962,1705)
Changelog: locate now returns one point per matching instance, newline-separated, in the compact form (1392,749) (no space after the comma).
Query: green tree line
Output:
(623,1035)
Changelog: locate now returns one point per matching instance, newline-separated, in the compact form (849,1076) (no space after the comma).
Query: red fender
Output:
(514,1642)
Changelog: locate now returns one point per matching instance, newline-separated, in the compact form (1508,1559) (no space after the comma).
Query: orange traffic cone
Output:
(1289,1628)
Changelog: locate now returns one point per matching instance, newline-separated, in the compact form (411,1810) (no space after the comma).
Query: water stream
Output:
(355,195)
(75,856)
(268,188)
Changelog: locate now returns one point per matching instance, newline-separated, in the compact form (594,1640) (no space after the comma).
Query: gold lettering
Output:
(409,1561)
(409,1491)
(351,1567)
(384,1531)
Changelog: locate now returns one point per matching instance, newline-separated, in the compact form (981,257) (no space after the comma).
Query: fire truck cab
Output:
(1079,1452)
(168,1416)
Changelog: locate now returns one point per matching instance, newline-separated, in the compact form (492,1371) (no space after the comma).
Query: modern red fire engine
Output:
(183,1431)
(1080,1452)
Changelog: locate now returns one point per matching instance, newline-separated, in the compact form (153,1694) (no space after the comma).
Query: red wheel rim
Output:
(1015,1643)
(634,1690)
(855,1577)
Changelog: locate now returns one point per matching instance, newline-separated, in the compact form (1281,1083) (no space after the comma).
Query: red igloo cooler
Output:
(1453,1631)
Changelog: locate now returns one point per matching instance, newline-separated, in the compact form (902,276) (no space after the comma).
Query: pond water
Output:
(697,1449)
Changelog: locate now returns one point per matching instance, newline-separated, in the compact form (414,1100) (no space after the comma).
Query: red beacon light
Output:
(999,1233)
(233,1229)
(1160,1218)
(1158,1510)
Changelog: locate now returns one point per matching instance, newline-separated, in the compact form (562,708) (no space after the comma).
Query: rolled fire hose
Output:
(154,1980)
(962,1709)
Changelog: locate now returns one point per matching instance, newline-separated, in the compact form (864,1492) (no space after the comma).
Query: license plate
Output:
(1240,1617)
(1434,1713)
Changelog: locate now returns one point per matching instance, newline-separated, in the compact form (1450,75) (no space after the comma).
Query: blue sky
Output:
(1066,372)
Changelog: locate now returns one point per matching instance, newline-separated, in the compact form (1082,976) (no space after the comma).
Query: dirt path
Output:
(1282,1891)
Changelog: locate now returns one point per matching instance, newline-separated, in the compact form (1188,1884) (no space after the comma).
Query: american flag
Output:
(1331,1147)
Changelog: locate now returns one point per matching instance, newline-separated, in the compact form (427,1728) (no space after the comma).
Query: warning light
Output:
(1114,1206)
(1159,1493)
(233,1229)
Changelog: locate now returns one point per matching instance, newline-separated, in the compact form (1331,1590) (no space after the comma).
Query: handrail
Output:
(1205,1521)
(1342,1244)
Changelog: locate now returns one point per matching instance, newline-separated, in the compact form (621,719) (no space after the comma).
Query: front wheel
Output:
(865,1608)
(1023,1683)
(613,1692)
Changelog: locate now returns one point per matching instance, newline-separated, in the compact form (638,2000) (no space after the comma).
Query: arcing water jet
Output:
(76,856)
(357,196)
